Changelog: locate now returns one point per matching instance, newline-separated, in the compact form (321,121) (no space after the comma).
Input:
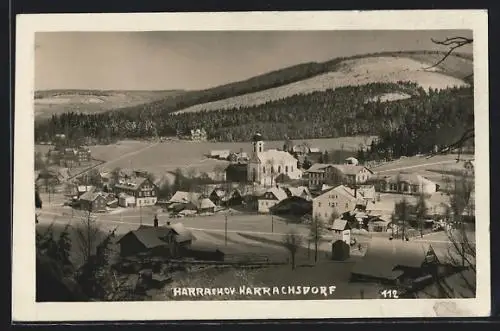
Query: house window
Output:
(263,170)
(319,204)
(279,169)
(347,205)
(291,168)
(286,169)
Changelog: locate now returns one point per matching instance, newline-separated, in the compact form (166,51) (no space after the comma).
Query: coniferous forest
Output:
(404,127)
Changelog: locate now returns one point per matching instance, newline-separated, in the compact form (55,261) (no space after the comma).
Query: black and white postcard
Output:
(195,166)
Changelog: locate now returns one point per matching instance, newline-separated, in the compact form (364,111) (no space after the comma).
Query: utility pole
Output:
(225,230)
(140,212)
(272,223)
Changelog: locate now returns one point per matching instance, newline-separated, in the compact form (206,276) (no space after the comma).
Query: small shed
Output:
(125,200)
(205,205)
(340,250)
(341,231)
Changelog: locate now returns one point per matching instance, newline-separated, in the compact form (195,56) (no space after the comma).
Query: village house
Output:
(334,174)
(396,261)
(73,157)
(205,205)
(142,189)
(265,165)
(220,196)
(300,191)
(334,202)
(366,192)
(270,198)
(222,154)
(125,200)
(183,201)
(93,201)
(293,206)
(163,241)
(407,183)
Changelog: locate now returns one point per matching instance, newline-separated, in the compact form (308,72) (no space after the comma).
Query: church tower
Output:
(258,143)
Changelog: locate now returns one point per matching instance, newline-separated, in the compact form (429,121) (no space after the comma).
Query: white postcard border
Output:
(24,307)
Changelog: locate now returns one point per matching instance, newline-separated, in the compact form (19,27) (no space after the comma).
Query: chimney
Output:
(168,223)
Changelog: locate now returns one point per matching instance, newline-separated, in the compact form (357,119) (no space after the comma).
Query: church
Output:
(265,166)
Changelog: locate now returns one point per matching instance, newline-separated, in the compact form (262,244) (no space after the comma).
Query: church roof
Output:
(276,158)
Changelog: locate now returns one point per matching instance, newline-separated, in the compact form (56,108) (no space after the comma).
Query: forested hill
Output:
(426,118)
(457,65)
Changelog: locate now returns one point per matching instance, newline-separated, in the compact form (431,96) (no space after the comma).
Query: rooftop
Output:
(131,183)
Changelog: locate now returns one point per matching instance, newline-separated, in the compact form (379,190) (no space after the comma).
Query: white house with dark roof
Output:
(332,203)
(325,173)
(141,188)
(271,198)
(265,166)
(407,183)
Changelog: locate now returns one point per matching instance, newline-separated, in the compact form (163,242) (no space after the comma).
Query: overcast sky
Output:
(198,60)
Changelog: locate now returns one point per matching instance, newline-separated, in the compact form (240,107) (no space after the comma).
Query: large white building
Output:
(265,166)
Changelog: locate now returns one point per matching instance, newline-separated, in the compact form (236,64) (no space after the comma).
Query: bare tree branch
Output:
(453,43)
(466,136)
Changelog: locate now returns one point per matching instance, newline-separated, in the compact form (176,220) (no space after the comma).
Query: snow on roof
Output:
(275,157)
(410,178)
(279,193)
(185,197)
(339,225)
(205,203)
(341,189)
(132,183)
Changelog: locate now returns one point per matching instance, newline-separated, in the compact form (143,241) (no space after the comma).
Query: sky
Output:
(193,60)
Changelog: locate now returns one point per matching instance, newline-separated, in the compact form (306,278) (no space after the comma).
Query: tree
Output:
(115,175)
(462,251)
(88,236)
(165,191)
(270,165)
(93,177)
(335,178)
(326,157)
(421,212)
(402,213)
(460,197)
(151,177)
(307,164)
(292,242)
(38,200)
(334,216)
(317,231)
(282,178)
(178,180)
(455,43)
(219,172)
(96,276)
(40,163)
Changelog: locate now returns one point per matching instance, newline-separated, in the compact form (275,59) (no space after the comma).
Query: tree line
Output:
(293,116)
(404,127)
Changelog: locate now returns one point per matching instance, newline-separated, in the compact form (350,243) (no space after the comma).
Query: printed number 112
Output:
(390,294)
